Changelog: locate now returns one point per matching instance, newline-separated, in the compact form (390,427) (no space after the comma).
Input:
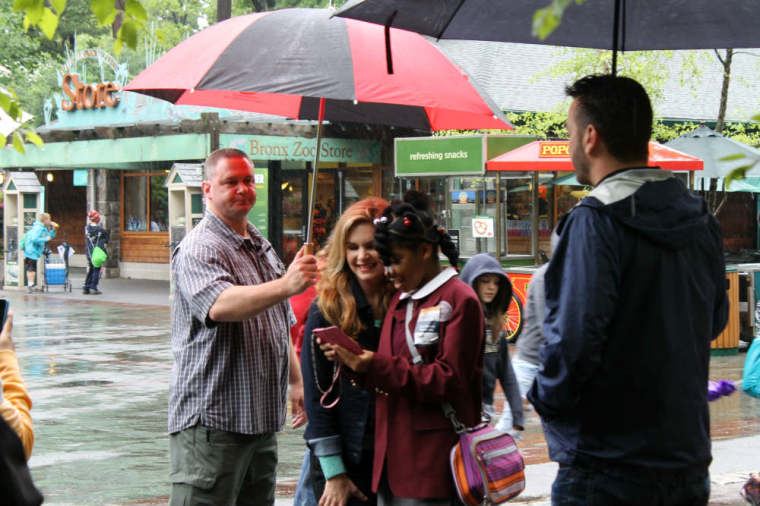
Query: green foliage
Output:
(644,66)
(542,125)
(545,20)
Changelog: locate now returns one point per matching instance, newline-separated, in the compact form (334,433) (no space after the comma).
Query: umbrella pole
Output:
(615,31)
(314,170)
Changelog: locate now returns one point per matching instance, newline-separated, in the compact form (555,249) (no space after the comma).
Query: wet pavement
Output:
(98,369)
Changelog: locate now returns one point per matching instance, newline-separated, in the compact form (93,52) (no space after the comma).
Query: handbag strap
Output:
(335,378)
(448,410)
(416,357)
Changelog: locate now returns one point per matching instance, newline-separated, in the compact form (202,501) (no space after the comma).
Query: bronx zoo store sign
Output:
(90,80)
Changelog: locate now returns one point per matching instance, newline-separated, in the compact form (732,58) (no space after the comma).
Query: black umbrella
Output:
(619,25)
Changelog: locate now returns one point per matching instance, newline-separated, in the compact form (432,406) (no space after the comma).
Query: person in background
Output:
(492,286)
(15,402)
(95,235)
(352,294)
(441,362)
(525,361)
(635,292)
(33,243)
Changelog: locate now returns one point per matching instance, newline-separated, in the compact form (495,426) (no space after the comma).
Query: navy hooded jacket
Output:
(635,291)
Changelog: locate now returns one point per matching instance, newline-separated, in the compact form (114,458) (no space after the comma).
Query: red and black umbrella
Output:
(305,64)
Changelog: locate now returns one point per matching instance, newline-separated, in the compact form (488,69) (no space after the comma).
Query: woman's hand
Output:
(338,490)
(337,353)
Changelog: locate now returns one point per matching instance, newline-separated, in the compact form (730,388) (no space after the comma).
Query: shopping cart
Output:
(57,269)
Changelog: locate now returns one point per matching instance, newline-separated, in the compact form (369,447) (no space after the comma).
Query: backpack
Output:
(751,378)
(22,243)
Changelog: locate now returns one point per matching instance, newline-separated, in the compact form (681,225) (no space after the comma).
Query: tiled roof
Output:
(517,78)
(190,173)
(25,181)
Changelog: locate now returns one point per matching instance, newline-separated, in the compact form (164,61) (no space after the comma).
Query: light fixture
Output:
(2,177)
(50,177)
(284,185)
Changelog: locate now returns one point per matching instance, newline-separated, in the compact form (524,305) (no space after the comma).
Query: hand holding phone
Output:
(6,342)
(333,335)
(4,304)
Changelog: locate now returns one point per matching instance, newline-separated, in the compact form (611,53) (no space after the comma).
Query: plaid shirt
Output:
(229,376)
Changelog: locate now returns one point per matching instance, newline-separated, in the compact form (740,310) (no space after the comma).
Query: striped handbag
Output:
(486,464)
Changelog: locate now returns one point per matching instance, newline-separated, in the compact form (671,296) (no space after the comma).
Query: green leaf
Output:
(26,24)
(756,117)
(104,11)
(49,23)
(22,5)
(14,111)
(731,158)
(35,12)
(35,139)
(5,101)
(3,141)
(544,22)
(128,33)
(118,45)
(735,175)
(58,5)
(135,9)
(18,143)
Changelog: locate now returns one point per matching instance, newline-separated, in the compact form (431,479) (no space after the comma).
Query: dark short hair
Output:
(209,166)
(619,109)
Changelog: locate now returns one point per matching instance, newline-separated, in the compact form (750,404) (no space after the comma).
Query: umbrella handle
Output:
(314,171)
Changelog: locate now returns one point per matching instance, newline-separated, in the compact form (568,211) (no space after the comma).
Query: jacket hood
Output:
(480,264)
(654,203)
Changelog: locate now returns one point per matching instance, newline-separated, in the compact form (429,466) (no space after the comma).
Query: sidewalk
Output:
(733,460)
(117,290)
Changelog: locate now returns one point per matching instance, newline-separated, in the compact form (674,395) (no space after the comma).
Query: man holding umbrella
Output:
(231,347)
(635,291)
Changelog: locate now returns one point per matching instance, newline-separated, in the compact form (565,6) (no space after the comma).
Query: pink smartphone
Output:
(333,335)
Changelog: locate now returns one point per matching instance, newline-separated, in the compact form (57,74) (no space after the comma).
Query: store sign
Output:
(92,96)
(554,149)
(482,226)
(440,156)
(265,147)
(89,91)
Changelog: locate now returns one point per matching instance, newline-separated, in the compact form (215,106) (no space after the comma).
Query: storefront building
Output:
(112,151)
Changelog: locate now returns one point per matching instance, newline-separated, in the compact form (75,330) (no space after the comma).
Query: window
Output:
(146,202)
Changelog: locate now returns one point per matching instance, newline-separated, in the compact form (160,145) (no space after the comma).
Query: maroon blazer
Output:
(413,438)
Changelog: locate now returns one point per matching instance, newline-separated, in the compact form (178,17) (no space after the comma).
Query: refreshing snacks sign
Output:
(440,156)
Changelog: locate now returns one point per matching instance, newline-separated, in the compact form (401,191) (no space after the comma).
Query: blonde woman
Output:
(352,294)
(33,243)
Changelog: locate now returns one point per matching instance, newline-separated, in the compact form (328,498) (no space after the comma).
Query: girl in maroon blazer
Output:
(430,352)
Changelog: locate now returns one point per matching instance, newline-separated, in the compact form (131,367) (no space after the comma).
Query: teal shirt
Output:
(36,239)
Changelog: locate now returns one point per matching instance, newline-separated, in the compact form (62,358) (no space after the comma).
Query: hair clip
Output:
(382,219)
(407,221)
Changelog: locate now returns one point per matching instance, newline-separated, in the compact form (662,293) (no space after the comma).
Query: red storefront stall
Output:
(560,193)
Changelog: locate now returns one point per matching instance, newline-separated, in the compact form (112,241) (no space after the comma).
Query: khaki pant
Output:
(214,467)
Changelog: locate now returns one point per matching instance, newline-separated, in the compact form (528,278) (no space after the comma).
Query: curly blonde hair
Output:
(336,300)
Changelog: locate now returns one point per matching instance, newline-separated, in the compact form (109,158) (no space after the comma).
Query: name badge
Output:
(427,329)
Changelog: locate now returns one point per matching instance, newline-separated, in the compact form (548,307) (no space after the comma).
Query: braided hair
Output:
(406,224)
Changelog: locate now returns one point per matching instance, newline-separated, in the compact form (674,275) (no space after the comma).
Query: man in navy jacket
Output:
(635,291)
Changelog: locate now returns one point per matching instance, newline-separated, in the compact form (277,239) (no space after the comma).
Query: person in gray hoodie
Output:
(494,290)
